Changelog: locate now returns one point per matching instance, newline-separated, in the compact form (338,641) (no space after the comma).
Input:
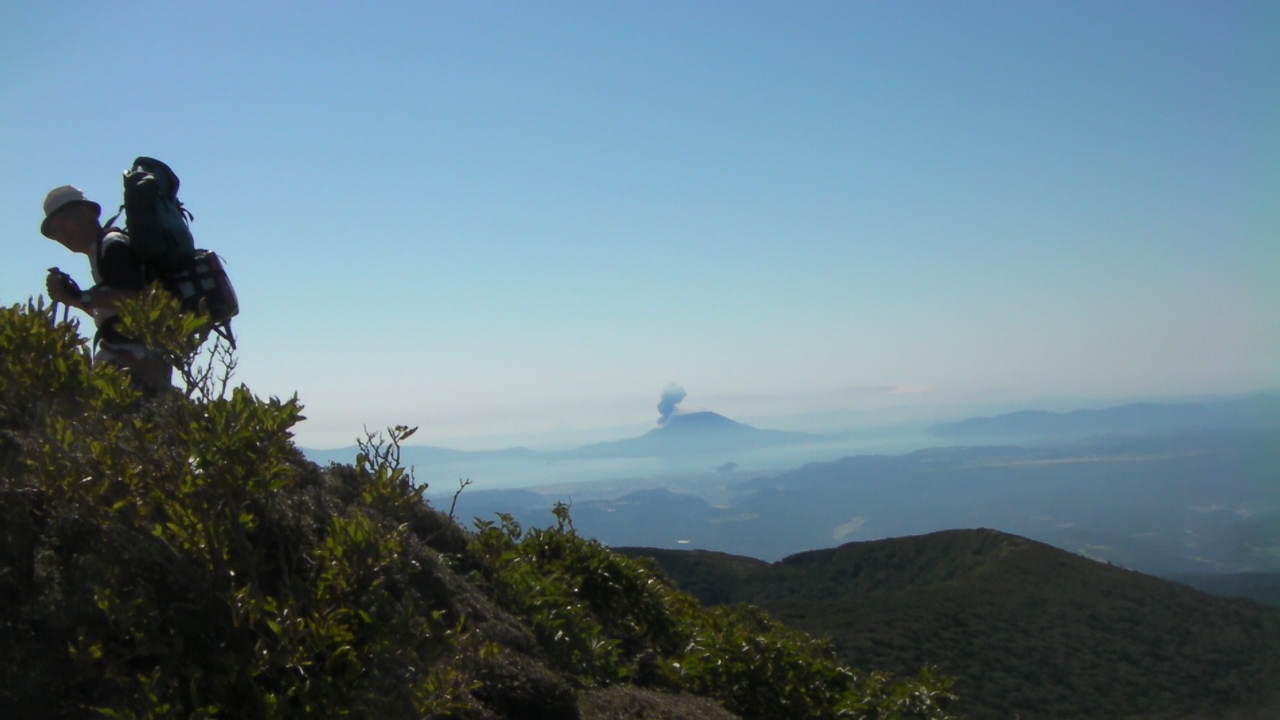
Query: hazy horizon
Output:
(836,421)
(595,461)
(525,220)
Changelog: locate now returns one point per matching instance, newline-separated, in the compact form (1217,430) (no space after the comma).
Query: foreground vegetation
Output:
(178,557)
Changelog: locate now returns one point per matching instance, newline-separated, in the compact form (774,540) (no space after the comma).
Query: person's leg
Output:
(152,374)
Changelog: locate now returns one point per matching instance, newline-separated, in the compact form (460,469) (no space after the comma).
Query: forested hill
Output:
(1029,629)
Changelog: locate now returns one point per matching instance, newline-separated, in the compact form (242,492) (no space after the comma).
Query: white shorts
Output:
(120,354)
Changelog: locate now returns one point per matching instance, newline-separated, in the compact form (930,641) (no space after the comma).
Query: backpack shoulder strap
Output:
(110,224)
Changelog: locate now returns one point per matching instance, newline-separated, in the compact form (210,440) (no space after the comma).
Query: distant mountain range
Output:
(1262,587)
(682,434)
(1173,504)
(1029,630)
(1136,418)
(709,433)
(1182,502)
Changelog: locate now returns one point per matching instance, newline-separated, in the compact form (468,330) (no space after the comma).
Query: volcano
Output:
(692,433)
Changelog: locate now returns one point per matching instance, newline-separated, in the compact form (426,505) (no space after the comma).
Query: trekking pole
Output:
(54,303)
(53,311)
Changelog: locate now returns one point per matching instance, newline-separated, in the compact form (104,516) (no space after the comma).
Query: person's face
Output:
(76,227)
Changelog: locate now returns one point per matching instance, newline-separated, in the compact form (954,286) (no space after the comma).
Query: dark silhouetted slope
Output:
(1028,629)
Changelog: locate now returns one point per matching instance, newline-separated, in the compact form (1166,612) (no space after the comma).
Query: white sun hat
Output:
(60,197)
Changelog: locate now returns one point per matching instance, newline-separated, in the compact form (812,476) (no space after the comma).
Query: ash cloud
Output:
(671,397)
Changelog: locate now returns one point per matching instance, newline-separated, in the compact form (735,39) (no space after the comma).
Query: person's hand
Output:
(62,288)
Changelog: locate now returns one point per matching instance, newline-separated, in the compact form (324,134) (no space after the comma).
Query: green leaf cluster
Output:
(160,322)
(178,558)
(606,618)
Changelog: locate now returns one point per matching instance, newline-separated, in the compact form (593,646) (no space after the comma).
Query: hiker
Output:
(73,220)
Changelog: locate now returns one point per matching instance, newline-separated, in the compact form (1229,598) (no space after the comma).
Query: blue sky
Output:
(495,219)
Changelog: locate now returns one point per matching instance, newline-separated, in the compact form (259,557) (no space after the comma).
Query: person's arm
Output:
(63,289)
(103,298)
(122,277)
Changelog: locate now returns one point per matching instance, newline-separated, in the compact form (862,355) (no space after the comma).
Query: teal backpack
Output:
(159,231)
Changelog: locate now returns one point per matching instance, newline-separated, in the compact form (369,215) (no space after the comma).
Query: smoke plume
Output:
(671,397)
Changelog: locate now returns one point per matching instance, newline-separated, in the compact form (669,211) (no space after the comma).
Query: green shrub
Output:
(605,618)
(177,557)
